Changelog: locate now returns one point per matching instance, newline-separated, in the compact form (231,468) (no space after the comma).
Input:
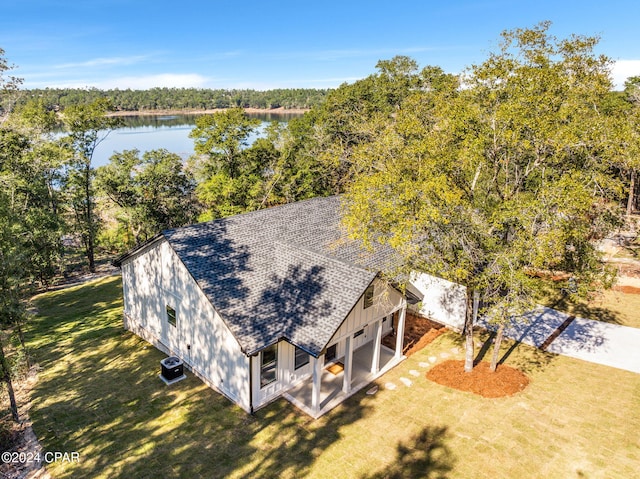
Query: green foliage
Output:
(31,204)
(86,126)
(221,137)
(234,177)
(9,85)
(152,193)
(354,114)
(179,98)
(508,177)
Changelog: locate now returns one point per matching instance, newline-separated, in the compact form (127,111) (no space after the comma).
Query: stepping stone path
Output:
(406,382)
(432,359)
(390,386)
(372,391)
(444,355)
(455,350)
(415,373)
(424,365)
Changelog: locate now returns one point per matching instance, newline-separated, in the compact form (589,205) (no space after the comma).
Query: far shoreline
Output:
(161,112)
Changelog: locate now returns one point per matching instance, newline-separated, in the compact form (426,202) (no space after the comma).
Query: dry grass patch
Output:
(99,394)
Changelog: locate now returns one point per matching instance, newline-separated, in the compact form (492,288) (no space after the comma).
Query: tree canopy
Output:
(495,183)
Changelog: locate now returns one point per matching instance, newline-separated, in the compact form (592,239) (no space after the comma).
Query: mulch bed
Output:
(418,332)
(505,381)
(627,289)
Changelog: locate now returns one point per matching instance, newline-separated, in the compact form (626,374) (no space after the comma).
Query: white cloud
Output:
(144,82)
(623,69)
(98,62)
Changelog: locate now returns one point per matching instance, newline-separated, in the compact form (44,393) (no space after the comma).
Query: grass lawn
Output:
(98,394)
(609,306)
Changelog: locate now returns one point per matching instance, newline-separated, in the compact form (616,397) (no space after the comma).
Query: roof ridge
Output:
(248,214)
(324,255)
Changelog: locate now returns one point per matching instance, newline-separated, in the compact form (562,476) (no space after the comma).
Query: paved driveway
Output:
(586,339)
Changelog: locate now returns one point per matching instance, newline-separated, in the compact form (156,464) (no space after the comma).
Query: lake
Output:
(170,132)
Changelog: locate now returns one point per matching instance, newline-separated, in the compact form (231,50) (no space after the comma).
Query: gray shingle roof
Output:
(285,272)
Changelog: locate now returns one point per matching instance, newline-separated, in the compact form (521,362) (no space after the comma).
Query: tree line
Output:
(178,98)
(496,178)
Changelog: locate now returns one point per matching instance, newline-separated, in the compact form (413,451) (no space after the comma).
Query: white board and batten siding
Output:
(155,278)
(386,300)
(287,375)
(443,302)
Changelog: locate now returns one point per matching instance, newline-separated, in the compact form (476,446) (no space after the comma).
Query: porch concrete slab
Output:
(331,393)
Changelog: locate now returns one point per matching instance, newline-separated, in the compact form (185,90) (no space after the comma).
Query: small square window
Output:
(368,297)
(302,358)
(171,315)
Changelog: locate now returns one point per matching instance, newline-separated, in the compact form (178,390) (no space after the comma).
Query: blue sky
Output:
(284,44)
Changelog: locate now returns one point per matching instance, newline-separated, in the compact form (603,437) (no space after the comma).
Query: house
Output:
(276,302)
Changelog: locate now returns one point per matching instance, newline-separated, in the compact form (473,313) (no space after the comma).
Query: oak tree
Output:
(499,181)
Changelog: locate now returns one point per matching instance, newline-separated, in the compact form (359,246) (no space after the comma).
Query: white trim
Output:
(377,343)
(348,365)
(318,364)
(400,331)
(335,340)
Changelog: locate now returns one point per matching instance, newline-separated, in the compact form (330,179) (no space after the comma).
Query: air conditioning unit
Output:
(172,368)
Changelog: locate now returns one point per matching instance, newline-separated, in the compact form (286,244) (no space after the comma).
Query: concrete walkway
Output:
(594,341)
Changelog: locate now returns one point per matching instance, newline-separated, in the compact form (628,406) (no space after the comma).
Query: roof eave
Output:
(123,257)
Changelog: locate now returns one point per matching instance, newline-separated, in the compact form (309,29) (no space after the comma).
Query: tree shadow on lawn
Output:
(587,311)
(521,356)
(99,395)
(124,422)
(424,455)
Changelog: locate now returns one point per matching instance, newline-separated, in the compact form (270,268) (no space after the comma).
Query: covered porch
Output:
(331,384)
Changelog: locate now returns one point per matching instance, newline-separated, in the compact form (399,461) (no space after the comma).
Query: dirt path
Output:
(27,441)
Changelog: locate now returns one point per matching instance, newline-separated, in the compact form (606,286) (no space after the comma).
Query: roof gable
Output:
(285,272)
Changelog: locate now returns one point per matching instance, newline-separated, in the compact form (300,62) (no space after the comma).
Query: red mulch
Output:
(505,381)
(418,332)
(627,289)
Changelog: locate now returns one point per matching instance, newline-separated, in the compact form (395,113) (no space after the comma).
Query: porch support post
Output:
(348,365)
(377,342)
(318,363)
(400,330)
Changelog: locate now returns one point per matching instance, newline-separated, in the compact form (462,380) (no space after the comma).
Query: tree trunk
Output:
(632,193)
(6,377)
(469,320)
(496,348)
(90,219)
(22,343)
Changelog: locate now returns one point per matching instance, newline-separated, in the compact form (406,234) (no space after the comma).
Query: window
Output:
(358,333)
(302,358)
(368,297)
(268,365)
(171,315)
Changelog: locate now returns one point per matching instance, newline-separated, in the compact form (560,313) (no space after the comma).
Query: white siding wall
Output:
(286,375)
(386,300)
(444,301)
(155,278)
